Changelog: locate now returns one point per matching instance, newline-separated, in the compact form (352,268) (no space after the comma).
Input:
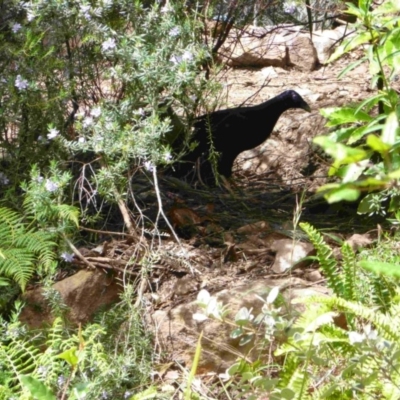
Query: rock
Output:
(327,40)
(84,293)
(177,331)
(254,52)
(288,253)
(280,47)
(302,53)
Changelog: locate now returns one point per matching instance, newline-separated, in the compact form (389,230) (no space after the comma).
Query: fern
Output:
(17,355)
(326,260)
(23,251)
(387,325)
(349,272)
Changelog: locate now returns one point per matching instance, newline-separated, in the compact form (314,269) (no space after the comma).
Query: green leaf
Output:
(352,172)
(381,268)
(365,206)
(70,356)
(344,115)
(387,7)
(376,144)
(37,388)
(80,390)
(351,66)
(391,129)
(394,205)
(341,153)
(350,44)
(150,393)
(342,193)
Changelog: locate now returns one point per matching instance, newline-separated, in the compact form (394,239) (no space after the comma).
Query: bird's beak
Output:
(306,107)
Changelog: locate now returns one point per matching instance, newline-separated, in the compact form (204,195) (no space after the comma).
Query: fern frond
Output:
(19,356)
(18,265)
(69,213)
(325,258)
(349,272)
(299,383)
(23,251)
(382,291)
(387,325)
(10,226)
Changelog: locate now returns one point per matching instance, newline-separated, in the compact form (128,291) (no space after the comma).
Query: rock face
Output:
(84,293)
(280,47)
(178,332)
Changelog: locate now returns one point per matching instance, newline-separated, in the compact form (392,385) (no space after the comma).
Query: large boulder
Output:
(84,293)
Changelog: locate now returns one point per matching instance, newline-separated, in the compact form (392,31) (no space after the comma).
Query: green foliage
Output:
(97,87)
(335,279)
(378,32)
(77,362)
(24,251)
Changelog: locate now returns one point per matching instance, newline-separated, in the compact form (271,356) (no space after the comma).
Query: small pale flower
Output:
(61,380)
(175,59)
(16,27)
(21,83)
(81,140)
(67,257)
(149,166)
(30,15)
(187,56)
(87,122)
(96,112)
(53,133)
(39,179)
(3,179)
(42,370)
(85,11)
(127,394)
(289,8)
(165,9)
(175,31)
(355,337)
(51,186)
(108,44)
(167,156)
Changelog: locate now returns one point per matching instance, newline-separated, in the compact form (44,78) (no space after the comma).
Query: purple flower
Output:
(149,166)
(187,56)
(175,31)
(51,186)
(289,7)
(16,27)
(67,257)
(108,44)
(20,83)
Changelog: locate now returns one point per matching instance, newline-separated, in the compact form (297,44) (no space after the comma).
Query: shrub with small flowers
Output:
(102,91)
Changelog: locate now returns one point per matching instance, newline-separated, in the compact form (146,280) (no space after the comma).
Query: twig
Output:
(78,253)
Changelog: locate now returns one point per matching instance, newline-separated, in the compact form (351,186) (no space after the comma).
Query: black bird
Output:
(232,131)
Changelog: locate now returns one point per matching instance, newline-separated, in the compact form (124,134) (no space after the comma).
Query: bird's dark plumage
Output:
(232,131)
